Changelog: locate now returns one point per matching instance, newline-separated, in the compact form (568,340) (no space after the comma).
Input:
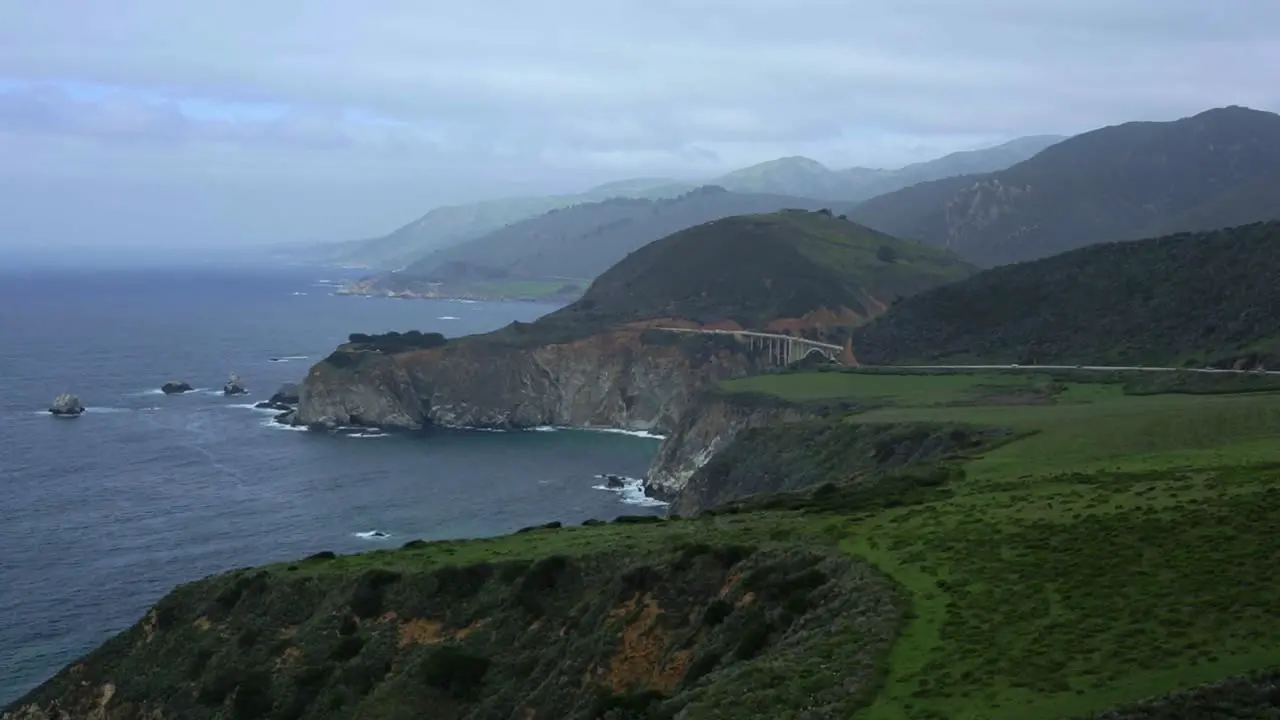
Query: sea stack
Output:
(234,386)
(66,405)
(176,387)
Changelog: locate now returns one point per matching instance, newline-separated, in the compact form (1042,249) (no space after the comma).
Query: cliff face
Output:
(869,461)
(621,378)
(709,426)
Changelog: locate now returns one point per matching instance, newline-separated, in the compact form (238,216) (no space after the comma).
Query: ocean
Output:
(103,514)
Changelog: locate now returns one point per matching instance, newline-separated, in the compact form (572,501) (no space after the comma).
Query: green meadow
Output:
(1123,548)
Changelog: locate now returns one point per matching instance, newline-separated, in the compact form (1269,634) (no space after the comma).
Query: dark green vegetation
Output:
(711,620)
(1187,299)
(1140,179)
(394,342)
(785,265)
(1245,697)
(794,176)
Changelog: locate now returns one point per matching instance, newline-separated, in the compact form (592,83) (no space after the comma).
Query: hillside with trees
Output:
(1188,298)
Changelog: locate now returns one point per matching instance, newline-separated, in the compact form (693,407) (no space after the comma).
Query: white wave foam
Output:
(633,433)
(464,302)
(253,407)
(158,391)
(448,317)
(366,436)
(631,493)
(295,292)
(478,429)
(616,431)
(372,535)
(271,423)
(287,358)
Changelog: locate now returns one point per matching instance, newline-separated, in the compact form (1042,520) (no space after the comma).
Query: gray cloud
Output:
(390,106)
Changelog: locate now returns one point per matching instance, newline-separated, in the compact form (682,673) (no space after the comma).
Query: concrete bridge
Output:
(782,350)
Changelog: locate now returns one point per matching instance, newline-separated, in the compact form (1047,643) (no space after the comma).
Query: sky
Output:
(237,123)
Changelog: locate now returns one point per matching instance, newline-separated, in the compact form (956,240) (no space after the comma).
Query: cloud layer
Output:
(369,113)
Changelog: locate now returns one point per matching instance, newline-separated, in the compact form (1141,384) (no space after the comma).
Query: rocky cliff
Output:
(624,378)
(870,461)
(710,425)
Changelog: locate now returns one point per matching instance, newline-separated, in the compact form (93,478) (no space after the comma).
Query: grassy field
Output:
(1123,550)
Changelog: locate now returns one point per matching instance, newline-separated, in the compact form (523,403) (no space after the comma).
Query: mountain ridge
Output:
(451,224)
(1218,168)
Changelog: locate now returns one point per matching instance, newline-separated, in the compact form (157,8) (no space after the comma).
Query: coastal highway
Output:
(1102,368)
(1105,368)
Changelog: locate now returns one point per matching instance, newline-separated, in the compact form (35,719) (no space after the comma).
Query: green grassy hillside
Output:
(1112,553)
(1189,298)
(755,268)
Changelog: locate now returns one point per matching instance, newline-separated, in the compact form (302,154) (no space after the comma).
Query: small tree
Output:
(886,254)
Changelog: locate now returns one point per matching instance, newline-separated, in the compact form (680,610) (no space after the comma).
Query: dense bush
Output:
(394,342)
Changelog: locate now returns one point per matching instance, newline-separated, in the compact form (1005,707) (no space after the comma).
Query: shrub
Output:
(454,671)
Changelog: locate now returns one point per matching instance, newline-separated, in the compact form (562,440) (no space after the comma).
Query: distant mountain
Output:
(795,176)
(580,242)
(452,224)
(1190,298)
(804,177)
(1140,179)
(758,270)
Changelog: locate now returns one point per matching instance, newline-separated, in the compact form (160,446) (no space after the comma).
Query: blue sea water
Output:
(103,514)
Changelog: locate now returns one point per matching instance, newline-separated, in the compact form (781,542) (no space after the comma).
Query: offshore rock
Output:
(66,405)
(176,387)
(621,378)
(234,386)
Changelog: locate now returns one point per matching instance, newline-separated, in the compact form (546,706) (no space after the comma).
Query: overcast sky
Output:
(187,122)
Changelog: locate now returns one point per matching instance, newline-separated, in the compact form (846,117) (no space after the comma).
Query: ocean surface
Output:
(103,514)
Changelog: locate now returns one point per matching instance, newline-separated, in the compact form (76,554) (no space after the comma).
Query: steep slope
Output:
(1140,179)
(599,361)
(725,630)
(1190,297)
(584,240)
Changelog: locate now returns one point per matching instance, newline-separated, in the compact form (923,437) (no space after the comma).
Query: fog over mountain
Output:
(237,124)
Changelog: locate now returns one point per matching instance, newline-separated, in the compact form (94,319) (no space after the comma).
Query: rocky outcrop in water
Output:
(283,399)
(234,386)
(176,387)
(67,405)
(622,378)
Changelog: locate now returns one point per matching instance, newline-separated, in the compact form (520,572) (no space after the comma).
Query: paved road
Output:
(1075,367)
(972,367)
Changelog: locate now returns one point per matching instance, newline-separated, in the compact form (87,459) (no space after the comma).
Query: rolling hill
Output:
(754,270)
(1188,298)
(1140,179)
(446,226)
